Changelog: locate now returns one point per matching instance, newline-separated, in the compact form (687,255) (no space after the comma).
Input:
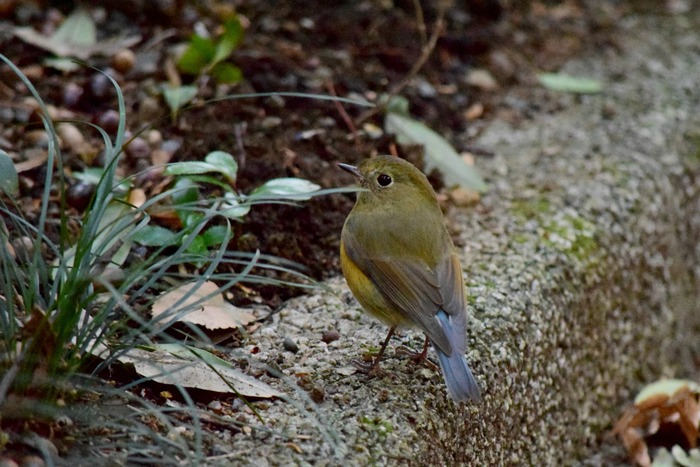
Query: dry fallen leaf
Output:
(175,364)
(212,313)
(667,407)
(76,37)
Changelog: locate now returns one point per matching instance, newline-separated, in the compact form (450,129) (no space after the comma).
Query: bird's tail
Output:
(459,379)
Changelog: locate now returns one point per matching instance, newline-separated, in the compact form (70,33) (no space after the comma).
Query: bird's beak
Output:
(351,169)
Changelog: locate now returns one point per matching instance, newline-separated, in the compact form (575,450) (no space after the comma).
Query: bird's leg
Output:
(421,357)
(373,369)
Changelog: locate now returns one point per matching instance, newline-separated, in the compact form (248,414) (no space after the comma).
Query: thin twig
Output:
(341,110)
(422,29)
(425,54)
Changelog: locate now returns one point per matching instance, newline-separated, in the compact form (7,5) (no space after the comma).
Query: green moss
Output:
(520,238)
(531,208)
(377,425)
(572,235)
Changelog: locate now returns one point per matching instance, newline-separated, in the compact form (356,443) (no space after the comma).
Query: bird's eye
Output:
(384,180)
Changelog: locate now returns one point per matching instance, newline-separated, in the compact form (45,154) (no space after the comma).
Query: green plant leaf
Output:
(215,235)
(224,163)
(77,28)
(154,235)
(185,191)
(66,65)
(216,161)
(198,247)
(232,207)
(226,73)
(178,97)
(9,181)
(290,188)
(197,56)
(229,40)
(439,153)
(567,83)
(91,175)
(189,168)
(210,179)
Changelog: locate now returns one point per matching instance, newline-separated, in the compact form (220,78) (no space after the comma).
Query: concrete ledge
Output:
(583,274)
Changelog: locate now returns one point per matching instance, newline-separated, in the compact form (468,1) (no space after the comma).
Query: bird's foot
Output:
(417,357)
(372,368)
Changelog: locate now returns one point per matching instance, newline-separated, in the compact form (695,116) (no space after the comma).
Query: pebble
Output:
(138,148)
(71,137)
(463,197)
(72,93)
(330,336)
(123,61)
(79,195)
(289,345)
(482,79)
(32,461)
(150,109)
(425,89)
(154,138)
(23,247)
(37,138)
(108,121)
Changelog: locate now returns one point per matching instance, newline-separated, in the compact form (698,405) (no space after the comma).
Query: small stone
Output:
(149,109)
(72,93)
(100,86)
(171,146)
(154,138)
(330,336)
(108,121)
(425,89)
(32,461)
(346,370)
(37,138)
(70,135)
(463,197)
(216,406)
(372,130)
(6,462)
(79,195)
(270,122)
(290,345)
(123,61)
(482,79)
(138,148)
(23,247)
(474,111)
(160,157)
(317,394)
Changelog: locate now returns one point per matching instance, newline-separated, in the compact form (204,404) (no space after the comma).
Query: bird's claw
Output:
(417,357)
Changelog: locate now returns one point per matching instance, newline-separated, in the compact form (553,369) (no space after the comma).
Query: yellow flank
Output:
(367,294)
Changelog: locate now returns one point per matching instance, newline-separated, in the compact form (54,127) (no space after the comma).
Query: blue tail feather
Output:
(459,379)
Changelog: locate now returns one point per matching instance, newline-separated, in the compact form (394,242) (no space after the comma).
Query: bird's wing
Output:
(415,289)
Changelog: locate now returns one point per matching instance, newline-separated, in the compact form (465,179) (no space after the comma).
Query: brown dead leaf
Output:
(212,312)
(174,364)
(35,157)
(666,405)
(71,49)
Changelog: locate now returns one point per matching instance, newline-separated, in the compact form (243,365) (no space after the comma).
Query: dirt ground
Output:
(356,49)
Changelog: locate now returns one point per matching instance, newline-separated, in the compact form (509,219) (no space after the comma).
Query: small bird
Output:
(400,263)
